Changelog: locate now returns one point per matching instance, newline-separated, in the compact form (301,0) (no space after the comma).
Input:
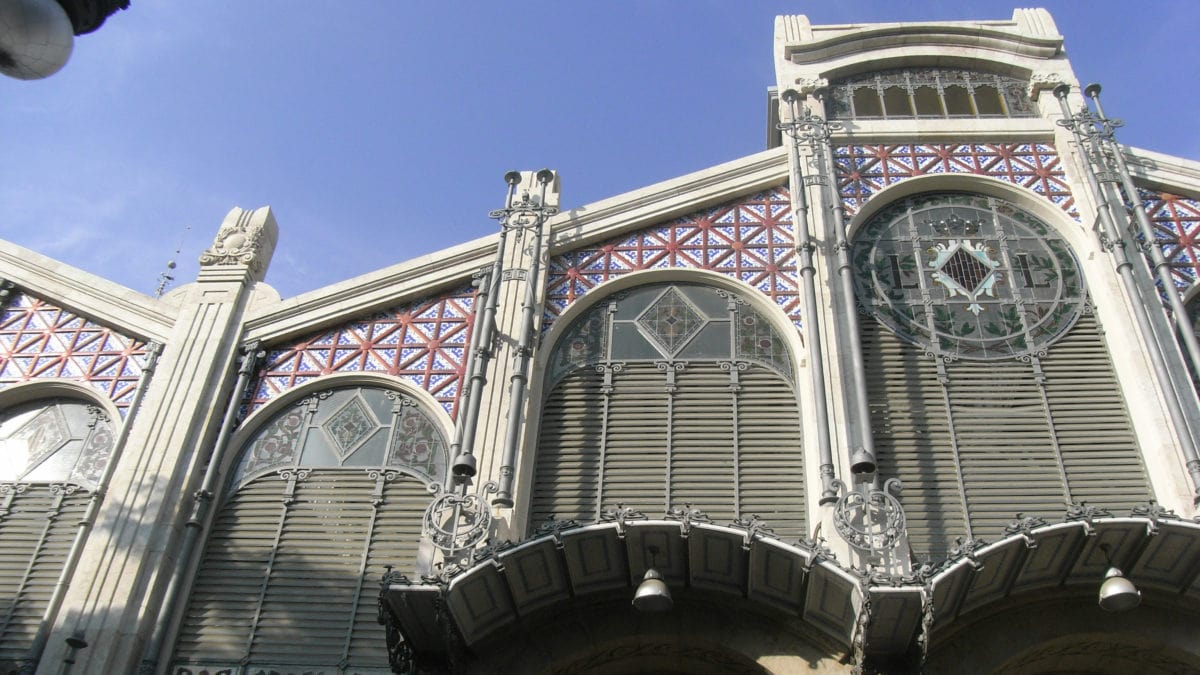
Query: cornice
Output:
(981,36)
(86,294)
(1164,171)
(669,199)
(424,276)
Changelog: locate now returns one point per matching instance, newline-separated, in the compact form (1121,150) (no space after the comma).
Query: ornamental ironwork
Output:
(967,276)
(869,518)
(457,522)
(935,93)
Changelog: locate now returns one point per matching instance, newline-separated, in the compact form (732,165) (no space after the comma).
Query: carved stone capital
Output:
(808,86)
(1042,81)
(246,239)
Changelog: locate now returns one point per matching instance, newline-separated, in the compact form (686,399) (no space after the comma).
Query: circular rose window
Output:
(967,276)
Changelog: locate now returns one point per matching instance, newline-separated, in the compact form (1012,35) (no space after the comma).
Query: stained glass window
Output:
(357,427)
(57,441)
(967,276)
(667,322)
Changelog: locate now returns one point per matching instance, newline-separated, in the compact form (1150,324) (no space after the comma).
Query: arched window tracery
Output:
(325,494)
(666,395)
(933,93)
(991,389)
(53,453)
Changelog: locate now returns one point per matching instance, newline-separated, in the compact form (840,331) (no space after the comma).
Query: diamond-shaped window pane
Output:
(350,426)
(671,321)
(965,269)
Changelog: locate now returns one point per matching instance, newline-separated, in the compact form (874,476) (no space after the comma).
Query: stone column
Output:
(113,599)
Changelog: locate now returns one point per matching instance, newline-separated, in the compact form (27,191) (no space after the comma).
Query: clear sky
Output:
(379,131)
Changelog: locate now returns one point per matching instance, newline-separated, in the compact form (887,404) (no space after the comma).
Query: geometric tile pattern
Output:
(38,339)
(749,238)
(424,342)
(1176,223)
(863,170)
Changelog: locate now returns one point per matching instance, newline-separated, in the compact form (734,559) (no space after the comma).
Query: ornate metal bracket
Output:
(457,522)
(869,518)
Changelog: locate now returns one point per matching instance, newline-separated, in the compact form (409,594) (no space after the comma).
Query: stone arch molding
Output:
(1026,199)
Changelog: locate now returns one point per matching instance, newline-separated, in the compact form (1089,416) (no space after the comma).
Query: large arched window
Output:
(667,395)
(52,455)
(324,495)
(991,389)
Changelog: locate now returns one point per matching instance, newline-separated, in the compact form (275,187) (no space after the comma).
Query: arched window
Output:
(666,395)
(324,495)
(938,93)
(991,389)
(52,455)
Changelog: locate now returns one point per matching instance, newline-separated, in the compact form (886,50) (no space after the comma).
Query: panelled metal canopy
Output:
(879,618)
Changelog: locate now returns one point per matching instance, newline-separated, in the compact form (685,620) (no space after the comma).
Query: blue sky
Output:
(379,131)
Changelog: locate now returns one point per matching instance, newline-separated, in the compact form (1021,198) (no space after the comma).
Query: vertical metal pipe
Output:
(59,593)
(1161,269)
(862,460)
(520,376)
(202,499)
(807,271)
(484,330)
(1116,246)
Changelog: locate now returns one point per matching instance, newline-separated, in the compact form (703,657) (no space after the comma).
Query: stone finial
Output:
(1042,81)
(246,238)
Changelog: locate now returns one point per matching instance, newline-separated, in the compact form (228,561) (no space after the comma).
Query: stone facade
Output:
(704,377)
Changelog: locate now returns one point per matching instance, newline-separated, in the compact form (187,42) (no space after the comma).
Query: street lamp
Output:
(36,36)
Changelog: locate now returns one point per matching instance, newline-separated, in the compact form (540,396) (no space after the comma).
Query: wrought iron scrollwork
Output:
(457,521)
(869,518)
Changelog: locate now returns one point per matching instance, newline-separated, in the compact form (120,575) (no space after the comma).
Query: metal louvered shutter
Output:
(36,533)
(771,481)
(294,581)
(703,453)
(636,440)
(722,438)
(1000,437)
(913,438)
(569,449)
(1100,452)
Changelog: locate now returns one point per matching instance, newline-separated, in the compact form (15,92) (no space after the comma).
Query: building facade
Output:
(892,395)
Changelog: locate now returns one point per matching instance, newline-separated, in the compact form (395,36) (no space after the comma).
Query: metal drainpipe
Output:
(862,461)
(481,354)
(516,395)
(195,522)
(804,266)
(1161,269)
(153,349)
(1116,246)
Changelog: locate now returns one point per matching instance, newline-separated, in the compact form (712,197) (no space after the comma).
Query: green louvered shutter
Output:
(37,529)
(293,580)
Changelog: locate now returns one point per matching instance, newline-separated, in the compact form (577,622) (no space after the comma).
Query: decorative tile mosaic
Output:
(40,340)
(864,170)
(1176,222)
(424,342)
(748,239)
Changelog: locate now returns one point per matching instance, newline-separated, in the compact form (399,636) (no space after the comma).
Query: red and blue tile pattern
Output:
(749,239)
(424,342)
(41,340)
(865,170)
